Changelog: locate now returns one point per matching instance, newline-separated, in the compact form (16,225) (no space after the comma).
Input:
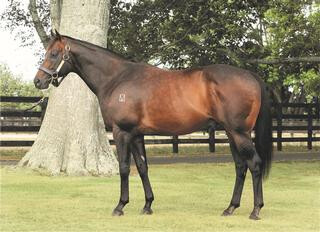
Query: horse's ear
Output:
(52,33)
(58,36)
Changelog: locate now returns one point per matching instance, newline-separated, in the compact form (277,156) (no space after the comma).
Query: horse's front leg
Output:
(122,140)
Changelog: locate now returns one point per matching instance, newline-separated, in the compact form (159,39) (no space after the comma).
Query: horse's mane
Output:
(96,47)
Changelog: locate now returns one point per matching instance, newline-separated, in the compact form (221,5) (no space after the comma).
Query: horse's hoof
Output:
(254,217)
(117,212)
(226,212)
(146,211)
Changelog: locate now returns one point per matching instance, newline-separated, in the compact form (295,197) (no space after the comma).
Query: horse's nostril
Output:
(36,81)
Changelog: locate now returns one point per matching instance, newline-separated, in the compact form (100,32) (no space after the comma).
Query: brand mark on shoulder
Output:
(122,97)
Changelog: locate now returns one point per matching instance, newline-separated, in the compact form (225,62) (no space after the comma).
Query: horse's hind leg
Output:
(241,171)
(139,155)
(248,153)
(255,168)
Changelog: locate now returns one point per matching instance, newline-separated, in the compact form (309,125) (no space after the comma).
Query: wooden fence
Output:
(310,118)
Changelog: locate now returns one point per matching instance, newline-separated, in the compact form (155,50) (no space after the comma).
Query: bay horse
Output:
(138,99)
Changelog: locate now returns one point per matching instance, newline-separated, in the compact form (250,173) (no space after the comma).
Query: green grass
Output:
(204,150)
(187,150)
(187,198)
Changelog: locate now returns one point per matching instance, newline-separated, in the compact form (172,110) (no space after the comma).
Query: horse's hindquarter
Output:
(236,96)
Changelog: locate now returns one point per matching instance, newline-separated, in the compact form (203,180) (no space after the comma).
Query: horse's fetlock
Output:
(150,198)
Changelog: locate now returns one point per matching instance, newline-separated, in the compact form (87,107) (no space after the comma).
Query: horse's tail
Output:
(263,130)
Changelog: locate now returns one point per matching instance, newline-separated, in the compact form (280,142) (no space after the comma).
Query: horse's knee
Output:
(124,170)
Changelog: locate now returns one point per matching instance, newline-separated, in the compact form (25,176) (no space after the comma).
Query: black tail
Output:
(263,141)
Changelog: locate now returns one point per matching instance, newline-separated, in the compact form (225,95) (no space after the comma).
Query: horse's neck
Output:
(96,68)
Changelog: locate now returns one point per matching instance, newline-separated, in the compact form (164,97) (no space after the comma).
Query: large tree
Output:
(72,138)
(279,39)
(276,38)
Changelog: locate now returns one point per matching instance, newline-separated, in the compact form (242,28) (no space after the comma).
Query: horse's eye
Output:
(54,53)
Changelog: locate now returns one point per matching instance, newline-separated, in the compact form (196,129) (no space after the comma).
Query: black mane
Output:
(96,47)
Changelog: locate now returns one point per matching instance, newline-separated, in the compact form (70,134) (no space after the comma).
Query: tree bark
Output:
(55,13)
(72,138)
(37,23)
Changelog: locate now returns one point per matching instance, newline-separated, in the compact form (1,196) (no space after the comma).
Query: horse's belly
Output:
(174,123)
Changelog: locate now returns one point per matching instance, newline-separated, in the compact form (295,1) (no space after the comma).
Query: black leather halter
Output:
(54,73)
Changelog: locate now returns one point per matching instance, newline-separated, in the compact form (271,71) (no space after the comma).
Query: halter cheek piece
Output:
(54,74)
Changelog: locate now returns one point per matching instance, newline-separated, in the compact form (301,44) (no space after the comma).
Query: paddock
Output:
(33,202)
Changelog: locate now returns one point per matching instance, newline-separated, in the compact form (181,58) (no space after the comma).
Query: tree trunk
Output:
(72,138)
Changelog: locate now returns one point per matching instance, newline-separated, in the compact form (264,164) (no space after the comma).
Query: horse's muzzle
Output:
(40,84)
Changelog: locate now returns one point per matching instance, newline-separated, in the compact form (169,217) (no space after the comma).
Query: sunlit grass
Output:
(187,198)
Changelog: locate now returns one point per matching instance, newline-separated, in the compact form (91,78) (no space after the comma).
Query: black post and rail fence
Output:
(309,126)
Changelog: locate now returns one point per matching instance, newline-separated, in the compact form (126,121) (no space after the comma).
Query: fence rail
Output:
(310,116)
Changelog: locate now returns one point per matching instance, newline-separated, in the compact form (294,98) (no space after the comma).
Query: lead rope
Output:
(35,104)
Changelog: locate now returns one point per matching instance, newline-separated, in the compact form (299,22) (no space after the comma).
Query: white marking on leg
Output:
(142,158)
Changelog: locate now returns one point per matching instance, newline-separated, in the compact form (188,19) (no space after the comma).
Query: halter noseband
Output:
(54,74)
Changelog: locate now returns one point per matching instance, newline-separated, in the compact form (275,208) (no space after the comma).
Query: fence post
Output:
(317,108)
(175,142)
(212,137)
(310,126)
(279,126)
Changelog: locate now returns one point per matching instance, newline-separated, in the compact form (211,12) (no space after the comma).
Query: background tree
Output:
(269,37)
(292,29)
(12,85)
(72,138)
(276,38)
(279,39)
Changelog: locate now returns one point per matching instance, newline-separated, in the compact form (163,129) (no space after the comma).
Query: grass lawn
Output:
(188,197)
(184,150)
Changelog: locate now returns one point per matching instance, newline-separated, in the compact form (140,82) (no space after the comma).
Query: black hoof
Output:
(146,211)
(229,211)
(254,217)
(226,213)
(117,212)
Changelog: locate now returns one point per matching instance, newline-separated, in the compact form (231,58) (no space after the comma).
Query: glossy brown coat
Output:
(138,99)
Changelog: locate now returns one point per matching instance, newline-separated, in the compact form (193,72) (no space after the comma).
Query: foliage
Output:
(17,19)
(311,82)
(11,85)
(292,29)
(180,34)
(177,34)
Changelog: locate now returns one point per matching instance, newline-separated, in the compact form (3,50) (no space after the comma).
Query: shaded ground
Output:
(214,158)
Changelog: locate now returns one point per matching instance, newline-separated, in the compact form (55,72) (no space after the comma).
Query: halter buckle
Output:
(65,56)
(54,75)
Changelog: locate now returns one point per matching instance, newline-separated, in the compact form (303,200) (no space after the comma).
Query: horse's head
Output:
(56,64)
